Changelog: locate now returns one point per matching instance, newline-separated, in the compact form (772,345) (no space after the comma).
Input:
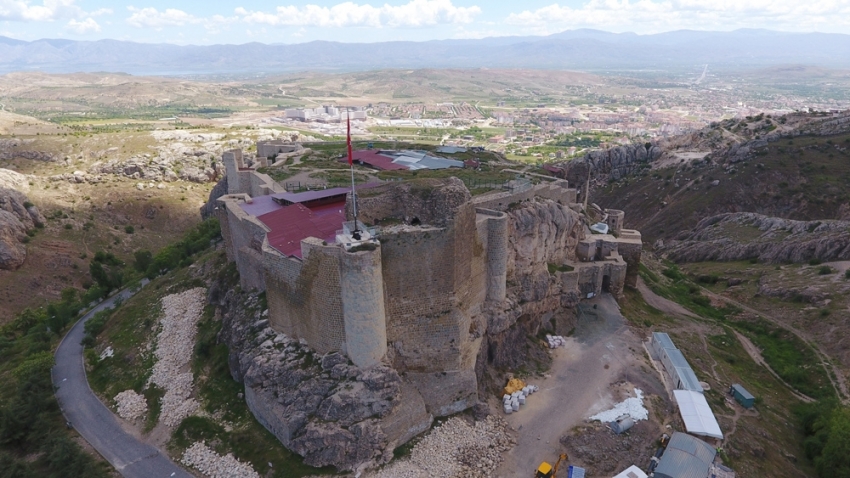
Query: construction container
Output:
(622,424)
(745,398)
(575,472)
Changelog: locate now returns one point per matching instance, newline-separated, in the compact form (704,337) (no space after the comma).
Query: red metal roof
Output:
(306,196)
(374,158)
(292,224)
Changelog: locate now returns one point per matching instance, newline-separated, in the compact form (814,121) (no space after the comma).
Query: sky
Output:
(291,21)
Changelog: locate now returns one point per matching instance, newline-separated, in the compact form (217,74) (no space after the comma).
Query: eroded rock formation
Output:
(17,216)
(741,236)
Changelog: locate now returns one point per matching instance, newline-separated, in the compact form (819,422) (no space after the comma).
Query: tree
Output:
(143,260)
(834,460)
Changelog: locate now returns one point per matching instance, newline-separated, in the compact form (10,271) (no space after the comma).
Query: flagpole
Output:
(351,165)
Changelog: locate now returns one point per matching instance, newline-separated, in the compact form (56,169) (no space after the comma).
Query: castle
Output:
(441,268)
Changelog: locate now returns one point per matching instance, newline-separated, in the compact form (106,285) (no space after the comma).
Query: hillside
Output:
(754,165)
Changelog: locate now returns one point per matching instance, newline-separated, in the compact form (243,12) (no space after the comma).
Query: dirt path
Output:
(755,354)
(577,386)
(664,305)
(835,376)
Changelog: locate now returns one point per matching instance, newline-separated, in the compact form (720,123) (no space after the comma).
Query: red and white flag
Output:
(350,154)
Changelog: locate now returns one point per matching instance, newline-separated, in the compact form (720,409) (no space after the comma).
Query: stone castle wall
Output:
(232,160)
(305,297)
(558,191)
(243,238)
(497,252)
(424,327)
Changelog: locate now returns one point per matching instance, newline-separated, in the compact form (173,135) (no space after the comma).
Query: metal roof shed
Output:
(697,415)
(743,397)
(685,457)
(632,472)
(660,341)
(684,378)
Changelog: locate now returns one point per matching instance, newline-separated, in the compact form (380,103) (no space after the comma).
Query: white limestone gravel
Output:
(131,405)
(632,406)
(207,461)
(174,345)
(455,449)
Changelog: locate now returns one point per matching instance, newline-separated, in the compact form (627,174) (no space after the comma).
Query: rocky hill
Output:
(793,167)
(742,236)
(18,216)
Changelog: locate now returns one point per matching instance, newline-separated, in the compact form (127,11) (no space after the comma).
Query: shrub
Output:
(814,262)
(142,260)
(824,270)
(68,226)
(847,274)
(129,229)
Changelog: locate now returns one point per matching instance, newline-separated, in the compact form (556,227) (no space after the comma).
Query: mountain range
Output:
(589,50)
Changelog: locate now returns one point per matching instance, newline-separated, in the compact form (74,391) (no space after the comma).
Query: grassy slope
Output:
(757,444)
(225,422)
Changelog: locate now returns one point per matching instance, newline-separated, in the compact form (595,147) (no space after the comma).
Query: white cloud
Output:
(82,27)
(648,16)
(152,18)
(48,10)
(415,13)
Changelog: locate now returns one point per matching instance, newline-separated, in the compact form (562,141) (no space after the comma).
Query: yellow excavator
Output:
(545,470)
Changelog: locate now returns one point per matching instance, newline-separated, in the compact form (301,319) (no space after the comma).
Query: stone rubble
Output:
(455,449)
(204,459)
(131,405)
(174,352)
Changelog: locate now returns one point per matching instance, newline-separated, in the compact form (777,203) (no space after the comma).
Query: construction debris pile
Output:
(455,448)
(130,405)
(174,346)
(515,394)
(207,461)
(555,341)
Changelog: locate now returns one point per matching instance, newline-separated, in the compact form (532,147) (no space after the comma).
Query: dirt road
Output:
(664,305)
(834,373)
(577,386)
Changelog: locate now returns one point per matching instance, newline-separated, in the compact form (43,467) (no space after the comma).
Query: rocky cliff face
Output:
(615,162)
(740,236)
(219,190)
(539,233)
(320,406)
(17,216)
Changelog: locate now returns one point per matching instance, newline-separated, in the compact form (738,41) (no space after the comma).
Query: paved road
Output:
(96,423)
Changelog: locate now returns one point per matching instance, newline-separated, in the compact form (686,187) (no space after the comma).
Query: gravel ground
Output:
(131,405)
(204,459)
(175,343)
(603,453)
(455,449)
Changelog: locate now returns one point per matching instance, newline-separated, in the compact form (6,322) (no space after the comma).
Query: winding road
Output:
(96,423)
